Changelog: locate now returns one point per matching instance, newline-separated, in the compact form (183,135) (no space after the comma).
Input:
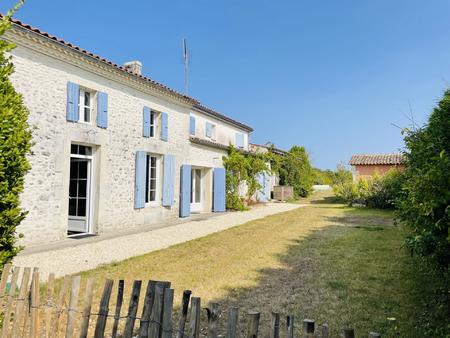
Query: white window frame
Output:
(82,106)
(213,130)
(158,179)
(156,122)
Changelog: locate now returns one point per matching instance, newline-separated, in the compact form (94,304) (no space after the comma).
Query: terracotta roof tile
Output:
(377,159)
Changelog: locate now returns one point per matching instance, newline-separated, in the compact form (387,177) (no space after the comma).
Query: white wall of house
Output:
(42,72)
(223,133)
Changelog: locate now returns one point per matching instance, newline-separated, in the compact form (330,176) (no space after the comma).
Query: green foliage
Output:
(425,202)
(330,177)
(15,144)
(296,171)
(256,164)
(236,167)
(380,192)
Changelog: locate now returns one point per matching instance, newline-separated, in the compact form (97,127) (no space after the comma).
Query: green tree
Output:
(425,201)
(15,144)
(296,171)
(236,166)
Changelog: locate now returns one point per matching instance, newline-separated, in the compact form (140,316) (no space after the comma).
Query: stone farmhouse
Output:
(113,149)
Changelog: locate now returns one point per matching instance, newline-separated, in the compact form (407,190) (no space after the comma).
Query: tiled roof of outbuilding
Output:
(377,159)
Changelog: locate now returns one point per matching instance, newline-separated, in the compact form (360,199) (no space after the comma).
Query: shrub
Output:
(15,144)
(425,201)
(296,171)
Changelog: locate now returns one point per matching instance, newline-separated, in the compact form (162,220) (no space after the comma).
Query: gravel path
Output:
(73,259)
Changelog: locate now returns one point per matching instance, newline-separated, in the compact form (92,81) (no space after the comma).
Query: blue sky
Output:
(329,75)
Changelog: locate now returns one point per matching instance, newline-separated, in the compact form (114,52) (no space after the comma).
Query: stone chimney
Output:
(134,67)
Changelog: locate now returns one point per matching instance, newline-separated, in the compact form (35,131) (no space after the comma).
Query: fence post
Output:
(103,310)
(155,317)
(194,320)
(86,314)
(349,333)
(59,305)
(34,323)
(167,314)
(147,310)
(275,325)
(213,316)
(290,326)
(119,302)
(308,328)
(253,324)
(184,312)
(374,335)
(3,281)
(20,304)
(72,310)
(325,331)
(233,314)
(132,309)
(49,305)
(9,301)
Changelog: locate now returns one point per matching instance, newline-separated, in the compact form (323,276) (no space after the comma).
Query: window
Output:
(77,149)
(85,106)
(151,178)
(210,130)
(154,116)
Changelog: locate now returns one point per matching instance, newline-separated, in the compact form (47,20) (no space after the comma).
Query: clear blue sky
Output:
(329,75)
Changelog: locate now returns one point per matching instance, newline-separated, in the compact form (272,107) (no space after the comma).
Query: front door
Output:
(79,190)
(196,190)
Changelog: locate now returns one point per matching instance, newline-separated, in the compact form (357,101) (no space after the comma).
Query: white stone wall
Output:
(224,134)
(42,80)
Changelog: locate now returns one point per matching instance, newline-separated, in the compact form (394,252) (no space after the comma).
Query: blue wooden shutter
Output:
(219,190)
(185,190)
(192,125)
(164,127)
(146,124)
(168,180)
(239,140)
(261,194)
(139,187)
(73,98)
(102,110)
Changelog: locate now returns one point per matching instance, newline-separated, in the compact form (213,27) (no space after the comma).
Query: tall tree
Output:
(296,171)
(15,145)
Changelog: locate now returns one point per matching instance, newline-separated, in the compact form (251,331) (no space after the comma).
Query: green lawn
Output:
(338,265)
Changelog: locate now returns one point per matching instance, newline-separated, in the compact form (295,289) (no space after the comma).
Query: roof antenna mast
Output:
(186,66)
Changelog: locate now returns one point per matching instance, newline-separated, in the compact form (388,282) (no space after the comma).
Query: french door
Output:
(196,190)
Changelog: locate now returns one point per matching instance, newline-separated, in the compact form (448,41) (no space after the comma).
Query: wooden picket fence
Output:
(24,312)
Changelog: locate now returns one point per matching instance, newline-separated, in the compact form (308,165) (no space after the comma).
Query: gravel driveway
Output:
(73,259)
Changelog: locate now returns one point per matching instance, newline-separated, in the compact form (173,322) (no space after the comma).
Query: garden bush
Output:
(296,171)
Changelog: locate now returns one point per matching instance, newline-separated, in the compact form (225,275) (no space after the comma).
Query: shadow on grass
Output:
(352,276)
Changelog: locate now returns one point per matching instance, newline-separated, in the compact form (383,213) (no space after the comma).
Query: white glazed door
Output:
(196,190)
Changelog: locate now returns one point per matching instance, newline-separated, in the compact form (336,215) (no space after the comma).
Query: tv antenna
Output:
(186,65)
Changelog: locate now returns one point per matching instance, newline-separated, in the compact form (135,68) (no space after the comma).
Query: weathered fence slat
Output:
(290,326)
(9,303)
(275,325)
(325,331)
(167,314)
(132,309)
(308,328)
(20,304)
(213,317)
(34,312)
(349,333)
(119,302)
(194,320)
(72,310)
(147,309)
(49,305)
(60,304)
(3,281)
(233,314)
(184,313)
(87,306)
(253,324)
(103,310)
(155,317)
